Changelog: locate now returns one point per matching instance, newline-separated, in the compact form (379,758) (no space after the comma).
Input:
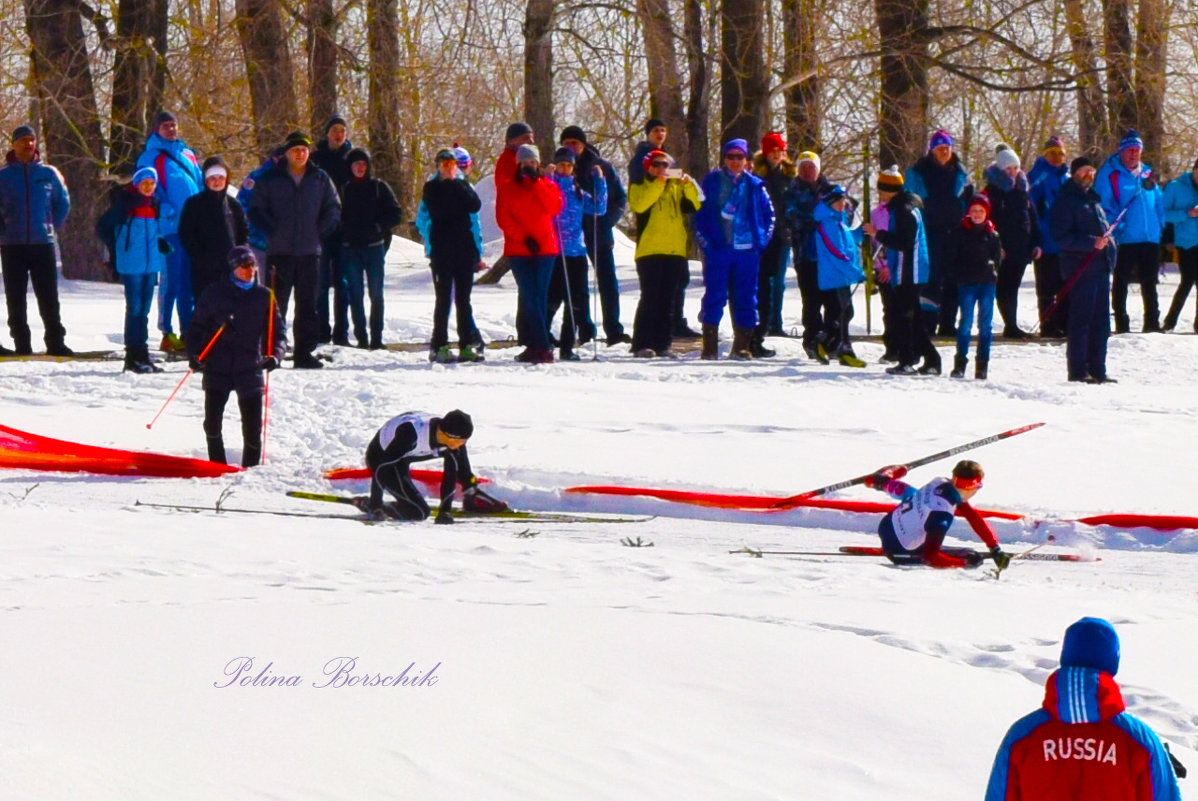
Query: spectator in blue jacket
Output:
(1047,176)
(838,256)
(1181,209)
(597,231)
(179,177)
(245,196)
(1082,742)
(733,226)
(941,182)
(1126,184)
(33,205)
(569,280)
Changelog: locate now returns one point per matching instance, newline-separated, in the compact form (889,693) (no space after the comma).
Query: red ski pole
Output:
(270,347)
(187,375)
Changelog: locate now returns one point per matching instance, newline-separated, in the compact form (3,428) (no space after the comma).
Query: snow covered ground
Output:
(567,665)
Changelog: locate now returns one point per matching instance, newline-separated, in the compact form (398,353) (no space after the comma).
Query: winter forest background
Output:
(860,81)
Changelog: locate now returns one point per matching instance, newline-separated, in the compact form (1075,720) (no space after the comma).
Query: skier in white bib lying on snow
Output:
(415,437)
(913,532)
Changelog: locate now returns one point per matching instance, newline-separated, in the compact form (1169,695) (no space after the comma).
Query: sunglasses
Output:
(665,164)
(735,157)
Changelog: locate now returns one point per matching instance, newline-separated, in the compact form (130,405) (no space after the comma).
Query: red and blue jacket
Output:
(1081,744)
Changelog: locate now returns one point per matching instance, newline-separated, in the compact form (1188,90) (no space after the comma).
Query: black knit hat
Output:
(564,154)
(653,122)
(161,117)
(297,139)
(1078,163)
(22,131)
(336,119)
(516,130)
(239,255)
(457,424)
(572,132)
(357,154)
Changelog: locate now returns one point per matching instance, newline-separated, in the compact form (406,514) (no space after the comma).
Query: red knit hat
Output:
(979,199)
(654,154)
(771,142)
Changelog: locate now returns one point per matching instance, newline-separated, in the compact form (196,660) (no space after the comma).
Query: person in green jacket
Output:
(660,201)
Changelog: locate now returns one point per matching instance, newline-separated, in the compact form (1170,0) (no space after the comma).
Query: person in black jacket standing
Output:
(369,211)
(454,256)
(296,206)
(331,154)
(210,225)
(1014,215)
(248,328)
(1079,226)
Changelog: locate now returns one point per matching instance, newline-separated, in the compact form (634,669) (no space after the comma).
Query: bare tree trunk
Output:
(902,27)
(61,79)
(268,67)
(698,152)
(322,63)
(1121,99)
(1094,133)
(159,23)
(1151,51)
(134,64)
(743,90)
(382,26)
(665,83)
(803,100)
(538,71)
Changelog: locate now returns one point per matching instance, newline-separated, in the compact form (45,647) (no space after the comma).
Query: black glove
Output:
(195,364)
(1149,181)
(164,247)
(531,243)
(269,363)
(973,558)
(1001,558)
(444,517)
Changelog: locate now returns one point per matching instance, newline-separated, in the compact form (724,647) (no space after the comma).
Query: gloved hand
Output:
(894,470)
(533,246)
(1149,181)
(973,558)
(877,481)
(195,364)
(444,517)
(475,500)
(269,363)
(1001,558)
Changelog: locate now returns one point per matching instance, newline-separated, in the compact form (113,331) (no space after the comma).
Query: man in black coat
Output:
(369,211)
(597,231)
(1079,226)
(331,154)
(210,225)
(241,321)
(296,206)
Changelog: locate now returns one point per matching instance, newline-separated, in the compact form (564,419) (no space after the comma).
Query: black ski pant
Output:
(835,334)
(217,389)
(912,338)
(654,324)
(574,295)
(1187,265)
(1006,292)
(890,320)
(807,273)
(298,273)
(1142,259)
(1048,283)
(681,282)
(22,265)
(771,265)
(391,472)
(453,280)
(940,290)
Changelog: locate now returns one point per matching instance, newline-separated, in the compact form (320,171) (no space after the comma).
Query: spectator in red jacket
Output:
(525,212)
(1082,743)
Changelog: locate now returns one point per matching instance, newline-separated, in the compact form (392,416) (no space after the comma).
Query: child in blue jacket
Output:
(838,263)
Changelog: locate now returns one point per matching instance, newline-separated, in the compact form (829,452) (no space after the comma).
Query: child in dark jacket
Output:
(972,256)
(454,255)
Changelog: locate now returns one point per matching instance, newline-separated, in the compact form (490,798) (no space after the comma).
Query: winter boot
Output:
(470,353)
(143,353)
(757,344)
(711,343)
(442,355)
(740,344)
(959,363)
(251,456)
(5,351)
(850,359)
(979,369)
(216,450)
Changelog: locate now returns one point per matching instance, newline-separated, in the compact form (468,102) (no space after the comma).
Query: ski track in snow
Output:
(576,667)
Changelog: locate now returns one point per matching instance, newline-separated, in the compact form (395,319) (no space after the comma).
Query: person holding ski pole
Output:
(241,312)
(914,531)
(1082,742)
(416,437)
(1079,227)
(569,280)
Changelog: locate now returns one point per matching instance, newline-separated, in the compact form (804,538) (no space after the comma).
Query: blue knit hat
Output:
(1130,139)
(735,144)
(22,131)
(239,255)
(463,157)
(1091,642)
(940,137)
(144,173)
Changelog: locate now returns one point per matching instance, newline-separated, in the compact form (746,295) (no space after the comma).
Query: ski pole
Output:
(595,286)
(795,500)
(270,348)
(870,277)
(561,253)
(187,375)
